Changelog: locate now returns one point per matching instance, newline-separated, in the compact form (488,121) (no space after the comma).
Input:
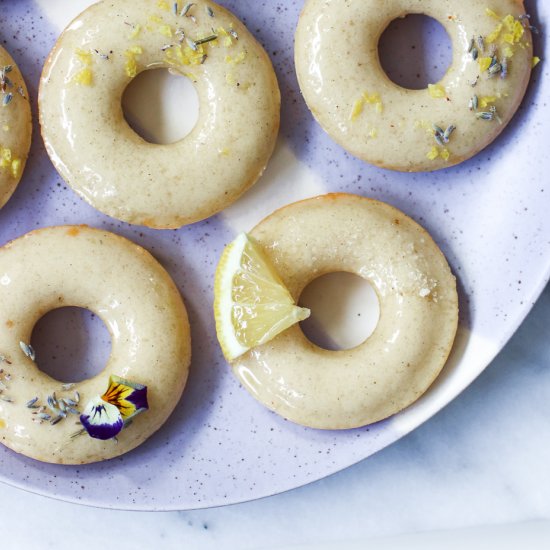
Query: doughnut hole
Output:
(344,311)
(160,106)
(415,51)
(71,344)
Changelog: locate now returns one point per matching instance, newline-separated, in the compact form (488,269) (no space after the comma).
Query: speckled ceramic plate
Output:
(490,216)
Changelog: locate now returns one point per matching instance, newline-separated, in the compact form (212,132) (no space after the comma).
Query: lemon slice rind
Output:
(230,263)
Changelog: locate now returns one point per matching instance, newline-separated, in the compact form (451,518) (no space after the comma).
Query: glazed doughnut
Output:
(384,124)
(106,162)
(418,314)
(15,126)
(147,320)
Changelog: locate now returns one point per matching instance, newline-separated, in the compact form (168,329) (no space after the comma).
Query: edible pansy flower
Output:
(105,416)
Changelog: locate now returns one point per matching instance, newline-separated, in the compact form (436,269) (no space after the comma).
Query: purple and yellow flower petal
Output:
(129,398)
(106,415)
(101,419)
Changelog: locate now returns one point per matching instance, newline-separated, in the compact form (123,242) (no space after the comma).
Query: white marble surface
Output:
(482,460)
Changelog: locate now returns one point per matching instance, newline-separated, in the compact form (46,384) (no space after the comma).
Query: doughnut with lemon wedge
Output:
(261,276)
(376,120)
(112,167)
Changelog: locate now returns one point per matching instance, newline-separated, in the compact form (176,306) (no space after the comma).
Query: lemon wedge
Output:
(251,303)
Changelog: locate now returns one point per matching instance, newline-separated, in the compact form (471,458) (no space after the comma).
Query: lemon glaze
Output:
(384,124)
(141,307)
(418,314)
(106,162)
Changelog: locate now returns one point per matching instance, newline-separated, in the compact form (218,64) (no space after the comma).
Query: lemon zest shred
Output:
(519,31)
(84,77)
(484,63)
(433,153)
(227,38)
(84,57)
(366,99)
(486,101)
(515,30)
(509,21)
(536,61)
(16,168)
(237,59)
(163,5)
(357,109)
(7,161)
(373,133)
(437,91)
(374,99)
(492,37)
(131,67)
(184,55)
(181,56)
(131,61)
(5,157)
(437,152)
(509,32)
